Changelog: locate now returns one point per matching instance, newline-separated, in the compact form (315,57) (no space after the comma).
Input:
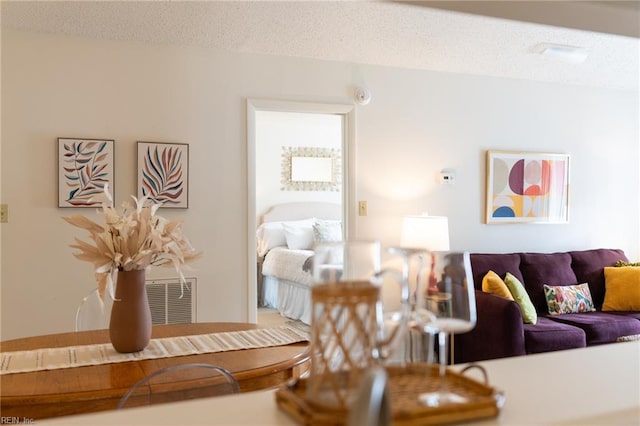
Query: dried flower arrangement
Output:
(131,240)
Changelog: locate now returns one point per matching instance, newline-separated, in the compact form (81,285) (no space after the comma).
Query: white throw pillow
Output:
(327,230)
(299,234)
(268,236)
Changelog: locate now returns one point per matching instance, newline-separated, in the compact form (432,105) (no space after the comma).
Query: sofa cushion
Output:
(547,335)
(539,269)
(568,299)
(481,263)
(521,297)
(622,288)
(601,327)
(493,284)
(588,265)
(634,314)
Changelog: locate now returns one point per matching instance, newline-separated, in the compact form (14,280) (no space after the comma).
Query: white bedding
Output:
(286,264)
(284,238)
(291,299)
(286,285)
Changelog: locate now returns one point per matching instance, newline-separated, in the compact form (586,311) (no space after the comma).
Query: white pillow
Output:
(299,234)
(268,236)
(327,230)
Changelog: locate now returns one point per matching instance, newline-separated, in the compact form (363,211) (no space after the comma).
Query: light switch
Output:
(362,208)
(4,213)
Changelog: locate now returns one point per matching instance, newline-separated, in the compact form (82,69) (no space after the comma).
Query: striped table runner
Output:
(83,355)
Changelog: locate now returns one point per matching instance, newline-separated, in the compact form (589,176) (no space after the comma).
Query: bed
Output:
(285,240)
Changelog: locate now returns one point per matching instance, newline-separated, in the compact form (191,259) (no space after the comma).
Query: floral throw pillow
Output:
(568,299)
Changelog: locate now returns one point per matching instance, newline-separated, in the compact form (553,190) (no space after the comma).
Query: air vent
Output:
(166,305)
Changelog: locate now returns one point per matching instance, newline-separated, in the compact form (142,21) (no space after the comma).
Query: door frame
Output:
(347,111)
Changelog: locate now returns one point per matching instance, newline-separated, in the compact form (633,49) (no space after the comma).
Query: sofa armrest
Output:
(498,332)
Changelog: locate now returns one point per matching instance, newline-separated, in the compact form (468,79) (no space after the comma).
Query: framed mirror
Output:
(311,169)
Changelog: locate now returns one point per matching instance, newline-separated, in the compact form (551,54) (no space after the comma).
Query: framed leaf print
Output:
(85,166)
(527,187)
(163,173)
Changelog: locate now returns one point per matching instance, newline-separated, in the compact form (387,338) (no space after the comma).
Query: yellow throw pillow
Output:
(622,288)
(520,296)
(492,283)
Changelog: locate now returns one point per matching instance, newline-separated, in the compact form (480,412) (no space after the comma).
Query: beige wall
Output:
(417,123)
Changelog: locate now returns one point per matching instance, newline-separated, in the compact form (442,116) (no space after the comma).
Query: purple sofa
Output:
(500,331)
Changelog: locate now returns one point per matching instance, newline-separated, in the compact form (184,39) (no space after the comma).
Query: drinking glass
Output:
(349,331)
(413,260)
(445,304)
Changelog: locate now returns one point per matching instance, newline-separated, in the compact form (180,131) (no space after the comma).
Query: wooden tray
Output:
(404,385)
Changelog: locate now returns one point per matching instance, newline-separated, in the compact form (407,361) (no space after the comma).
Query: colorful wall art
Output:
(163,173)
(85,166)
(527,187)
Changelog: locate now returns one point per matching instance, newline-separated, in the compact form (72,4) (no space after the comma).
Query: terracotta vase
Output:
(130,325)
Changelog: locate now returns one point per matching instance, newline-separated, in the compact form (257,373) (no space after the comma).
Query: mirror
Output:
(310,146)
(311,169)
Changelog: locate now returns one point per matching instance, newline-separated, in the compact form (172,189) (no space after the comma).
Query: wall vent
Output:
(166,305)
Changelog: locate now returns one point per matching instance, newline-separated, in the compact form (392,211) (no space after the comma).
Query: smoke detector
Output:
(362,95)
(572,54)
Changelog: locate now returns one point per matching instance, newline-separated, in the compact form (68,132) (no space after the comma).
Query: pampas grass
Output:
(133,239)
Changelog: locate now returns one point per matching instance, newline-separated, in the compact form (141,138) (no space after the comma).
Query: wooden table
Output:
(60,392)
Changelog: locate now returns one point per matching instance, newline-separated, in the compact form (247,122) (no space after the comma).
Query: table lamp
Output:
(429,233)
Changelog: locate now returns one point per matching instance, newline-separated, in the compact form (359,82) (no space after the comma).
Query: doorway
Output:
(295,114)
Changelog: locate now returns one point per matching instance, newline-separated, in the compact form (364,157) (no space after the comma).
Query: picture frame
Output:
(527,187)
(85,166)
(163,173)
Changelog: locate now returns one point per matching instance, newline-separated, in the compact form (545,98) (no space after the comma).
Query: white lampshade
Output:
(426,232)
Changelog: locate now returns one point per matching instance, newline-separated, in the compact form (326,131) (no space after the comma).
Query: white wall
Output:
(426,122)
(275,130)
(417,123)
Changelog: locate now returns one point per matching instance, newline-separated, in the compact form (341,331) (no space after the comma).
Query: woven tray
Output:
(404,385)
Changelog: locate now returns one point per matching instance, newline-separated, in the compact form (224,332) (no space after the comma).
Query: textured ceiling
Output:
(397,34)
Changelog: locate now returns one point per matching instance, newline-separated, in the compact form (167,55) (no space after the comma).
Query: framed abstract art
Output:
(527,187)
(163,173)
(85,166)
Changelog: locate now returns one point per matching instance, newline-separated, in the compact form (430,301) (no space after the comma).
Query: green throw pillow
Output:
(622,263)
(521,297)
